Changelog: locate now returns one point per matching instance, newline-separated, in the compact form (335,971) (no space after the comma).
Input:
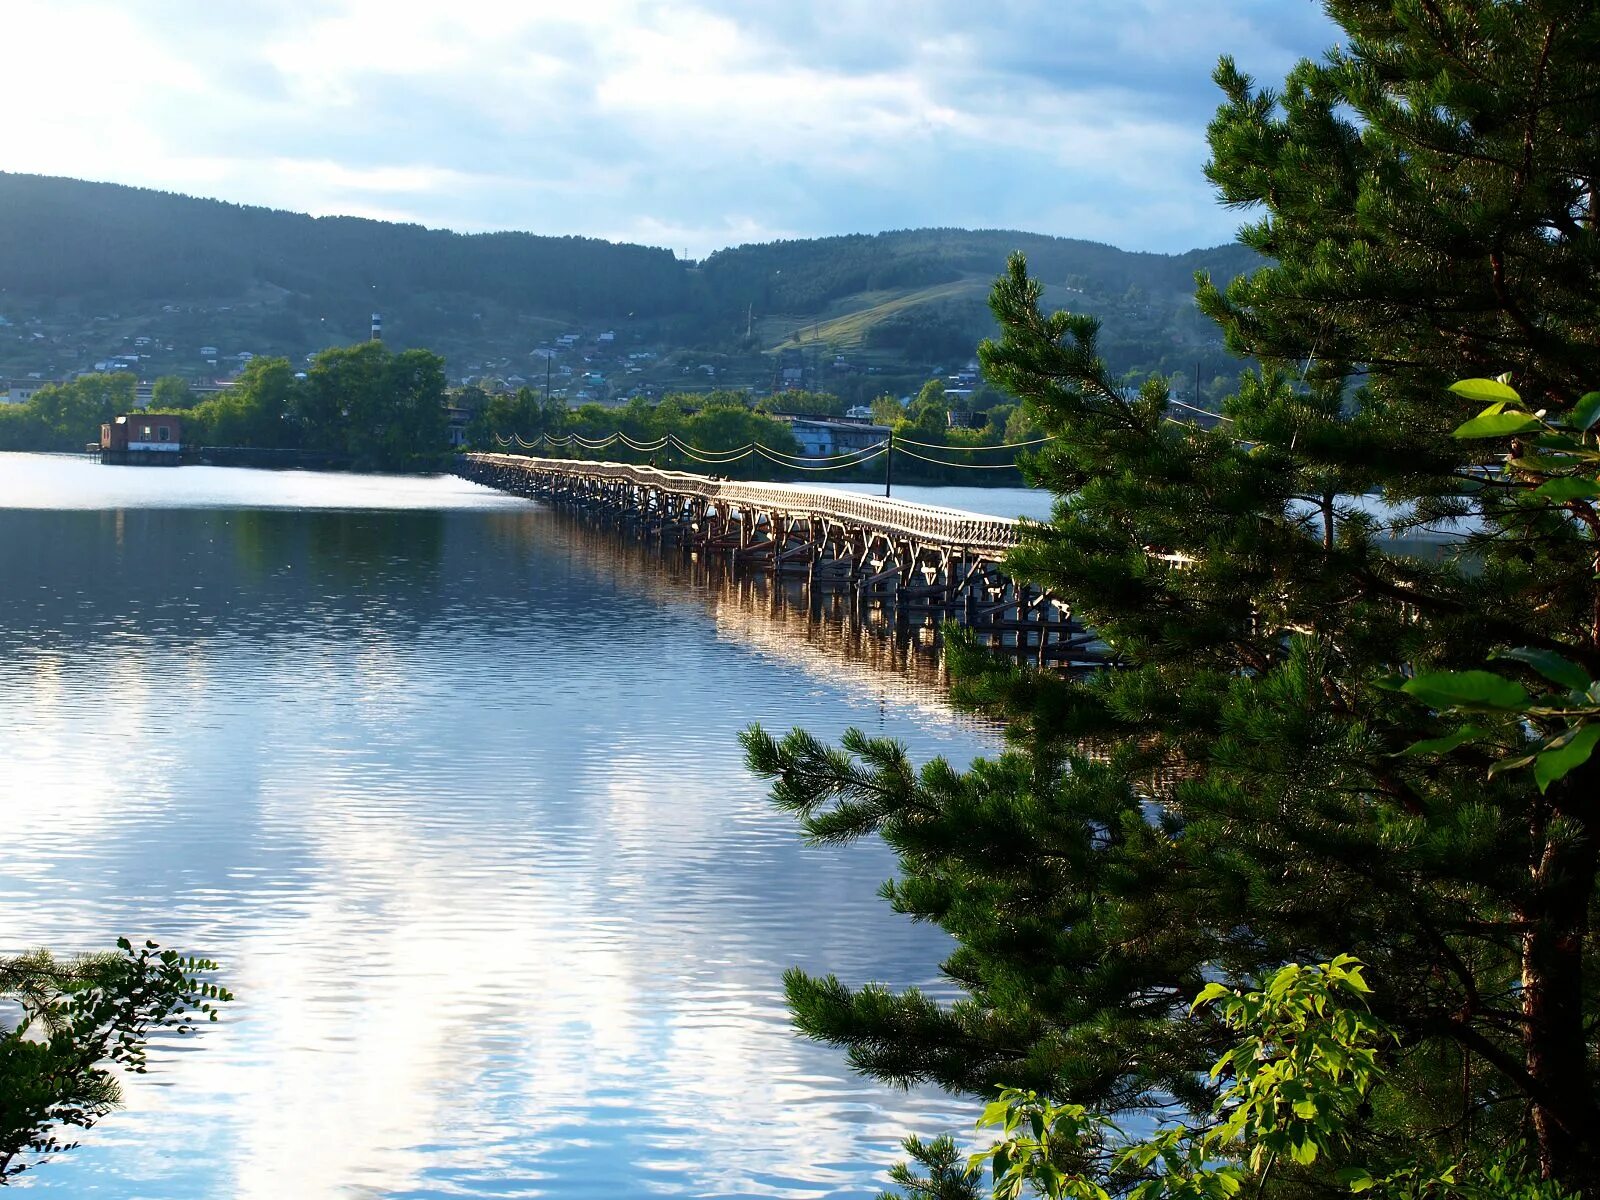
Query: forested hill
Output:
(87,267)
(119,245)
(800,276)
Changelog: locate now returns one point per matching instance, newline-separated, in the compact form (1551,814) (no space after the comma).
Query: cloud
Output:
(685,121)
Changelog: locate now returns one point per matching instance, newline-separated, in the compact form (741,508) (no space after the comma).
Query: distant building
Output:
(21,393)
(791,371)
(142,439)
(457,419)
(377,327)
(819,437)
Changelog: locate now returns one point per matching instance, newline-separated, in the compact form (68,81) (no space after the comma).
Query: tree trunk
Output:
(1565,1114)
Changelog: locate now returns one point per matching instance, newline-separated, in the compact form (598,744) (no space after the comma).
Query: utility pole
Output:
(547,379)
(888,466)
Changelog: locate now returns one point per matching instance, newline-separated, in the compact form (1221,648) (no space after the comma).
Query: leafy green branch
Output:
(1555,729)
(77,1020)
(1305,1061)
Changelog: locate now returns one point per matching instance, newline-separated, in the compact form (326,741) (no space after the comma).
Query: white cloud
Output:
(685,123)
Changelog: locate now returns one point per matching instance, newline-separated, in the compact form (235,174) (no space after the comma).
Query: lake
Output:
(449,784)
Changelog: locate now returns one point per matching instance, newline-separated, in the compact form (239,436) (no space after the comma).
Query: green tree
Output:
(256,410)
(381,408)
(172,394)
(886,410)
(1306,1057)
(411,421)
(816,404)
(1252,785)
(77,1021)
(506,415)
(67,416)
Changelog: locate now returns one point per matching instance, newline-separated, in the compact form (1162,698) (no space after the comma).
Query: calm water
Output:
(449,784)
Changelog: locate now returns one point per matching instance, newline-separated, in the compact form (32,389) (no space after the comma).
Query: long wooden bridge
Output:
(922,565)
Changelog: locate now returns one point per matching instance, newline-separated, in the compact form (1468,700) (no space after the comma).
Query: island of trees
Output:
(372,408)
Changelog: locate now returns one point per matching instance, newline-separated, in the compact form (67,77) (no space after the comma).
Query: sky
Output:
(690,124)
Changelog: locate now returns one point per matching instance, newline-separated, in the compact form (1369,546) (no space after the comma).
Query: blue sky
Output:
(694,125)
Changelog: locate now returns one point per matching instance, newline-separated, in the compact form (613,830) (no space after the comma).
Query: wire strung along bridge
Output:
(924,565)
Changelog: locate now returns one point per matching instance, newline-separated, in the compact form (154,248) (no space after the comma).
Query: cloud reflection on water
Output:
(504,912)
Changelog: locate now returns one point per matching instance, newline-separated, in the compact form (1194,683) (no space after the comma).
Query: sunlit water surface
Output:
(448,782)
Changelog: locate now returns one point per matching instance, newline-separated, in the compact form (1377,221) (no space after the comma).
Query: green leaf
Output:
(1560,442)
(1468,689)
(1569,489)
(1485,391)
(1549,664)
(1510,764)
(1443,745)
(1495,425)
(1544,464)
(1357,1179)
(1554,764)
(1210,992)
(1585,412)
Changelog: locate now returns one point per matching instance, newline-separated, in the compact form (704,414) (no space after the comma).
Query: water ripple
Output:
(450,786)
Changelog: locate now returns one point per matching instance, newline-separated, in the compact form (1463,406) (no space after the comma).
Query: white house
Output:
(819,437)
(20,393)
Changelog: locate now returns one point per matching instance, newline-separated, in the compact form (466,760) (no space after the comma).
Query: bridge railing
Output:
(927,522)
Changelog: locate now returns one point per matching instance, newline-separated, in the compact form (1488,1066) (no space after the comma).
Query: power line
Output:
(782,458)
(827,458)
(1205,412)
(882,450)
(959,466)
(905,441)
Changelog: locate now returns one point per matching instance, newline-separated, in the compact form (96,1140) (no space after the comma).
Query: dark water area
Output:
(449,784)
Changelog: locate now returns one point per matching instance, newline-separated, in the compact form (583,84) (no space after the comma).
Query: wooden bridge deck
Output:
(924,564)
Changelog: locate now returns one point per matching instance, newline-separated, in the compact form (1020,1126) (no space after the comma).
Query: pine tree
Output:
(1247,789)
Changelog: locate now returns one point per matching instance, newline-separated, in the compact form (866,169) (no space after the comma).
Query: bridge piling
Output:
(916,564)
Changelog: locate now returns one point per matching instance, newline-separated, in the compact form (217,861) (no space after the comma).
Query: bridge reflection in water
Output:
(885,562)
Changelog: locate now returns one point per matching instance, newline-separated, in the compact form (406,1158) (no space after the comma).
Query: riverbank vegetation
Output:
(368,407)
(71,1024)
(364,405)
(721,422)
(1304,751)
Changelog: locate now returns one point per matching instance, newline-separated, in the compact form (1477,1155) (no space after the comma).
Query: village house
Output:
(142,439)
(820,437)
(21,392)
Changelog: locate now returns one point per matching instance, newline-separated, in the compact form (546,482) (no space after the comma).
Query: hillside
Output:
(92,272)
